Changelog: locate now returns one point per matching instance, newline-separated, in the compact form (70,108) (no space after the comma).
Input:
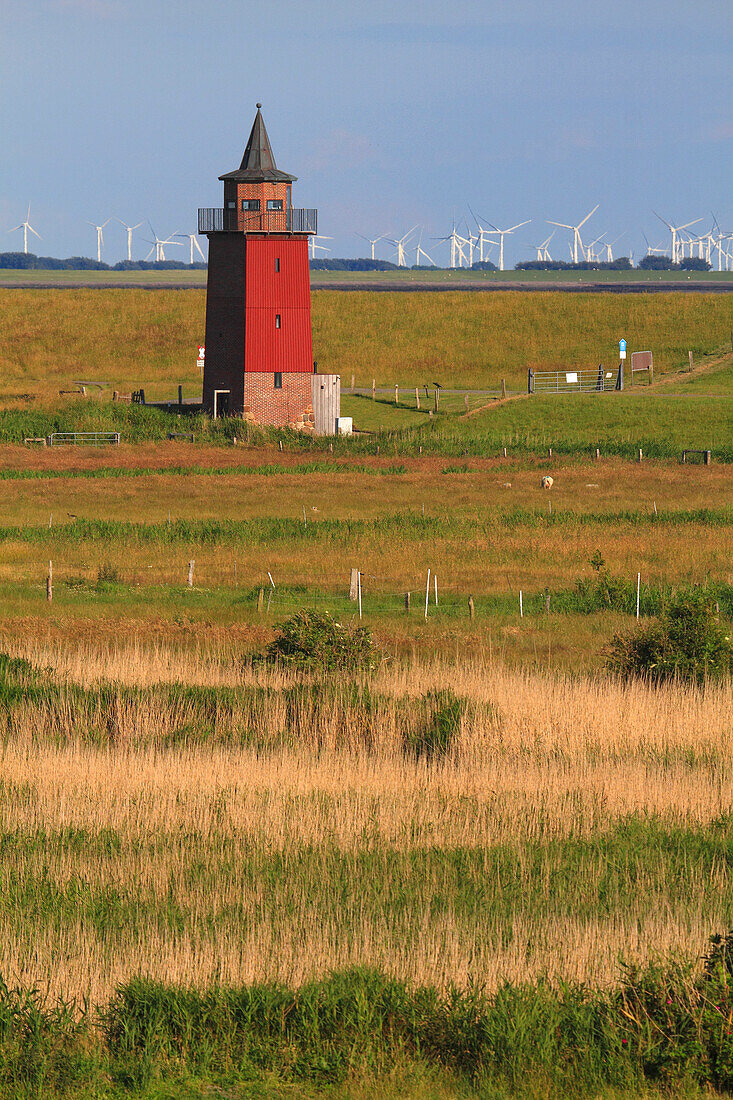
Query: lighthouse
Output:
(259,348)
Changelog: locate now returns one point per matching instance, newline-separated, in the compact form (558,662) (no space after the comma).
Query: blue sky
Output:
(390,114)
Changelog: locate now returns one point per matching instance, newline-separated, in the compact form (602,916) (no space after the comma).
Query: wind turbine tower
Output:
(674,230)
(502,234)
(130,229)
(372,241)
(25,226)
(400,246)
(577,246)
(191,237)
(100,237)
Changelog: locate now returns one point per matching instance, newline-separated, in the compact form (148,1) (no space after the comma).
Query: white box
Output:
(344,425)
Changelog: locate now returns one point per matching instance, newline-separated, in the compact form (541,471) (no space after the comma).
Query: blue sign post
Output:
(622,349)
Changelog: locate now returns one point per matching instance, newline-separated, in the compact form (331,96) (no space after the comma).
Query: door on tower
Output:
(221,403)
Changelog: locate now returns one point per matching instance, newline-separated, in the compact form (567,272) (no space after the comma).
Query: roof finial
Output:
(258,106)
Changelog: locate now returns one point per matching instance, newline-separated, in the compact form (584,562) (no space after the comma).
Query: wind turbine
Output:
(590,255)
(577,242)
(159,246)
(25,226)
(484,237)
(421,250)
(371,241)
(400,246)
(100,237)
(502,234)
(674,230)
(543,251)
(609,247)
(313,246)
(129,229)
(192,237)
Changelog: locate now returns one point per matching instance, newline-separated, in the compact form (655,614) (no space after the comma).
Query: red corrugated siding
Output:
(285,292)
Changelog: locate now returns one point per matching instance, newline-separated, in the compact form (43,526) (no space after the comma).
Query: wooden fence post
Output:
(437,398)
(354,585)
(49,582)
(407,602)
(417,399)
(397,395)
(691,360)
(470,607)
(640,456)
(374,389)
(503,388)
(352,383)
(190,573)
(260,600)
(465,401)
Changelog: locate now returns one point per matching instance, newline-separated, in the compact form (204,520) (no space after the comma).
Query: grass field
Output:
(405,278)
(52,338)
(488,817)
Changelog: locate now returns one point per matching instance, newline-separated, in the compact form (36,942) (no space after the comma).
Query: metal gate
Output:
(599,380)
(326,391)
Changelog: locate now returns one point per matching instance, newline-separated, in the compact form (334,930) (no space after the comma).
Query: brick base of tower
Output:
(288,407)
(259,352)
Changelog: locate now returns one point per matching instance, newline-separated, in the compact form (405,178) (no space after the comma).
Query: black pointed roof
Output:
(258,163)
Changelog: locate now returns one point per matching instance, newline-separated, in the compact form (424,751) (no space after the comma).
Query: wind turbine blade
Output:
(518,225)
(561,224)
(688,224)
(661,219)
(37,234)
(15,227)
(585,219)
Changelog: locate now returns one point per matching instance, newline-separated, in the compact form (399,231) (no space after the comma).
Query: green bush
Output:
(313,639)
(687,641)
(438,729)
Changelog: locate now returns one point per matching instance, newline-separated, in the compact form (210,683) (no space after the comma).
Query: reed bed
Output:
(256,826)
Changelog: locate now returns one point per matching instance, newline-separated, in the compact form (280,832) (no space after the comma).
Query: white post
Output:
(190,573)
(521,609)
(305,521)
(427,595)
(271,580)
(435,582)
(359,593)
(638,590)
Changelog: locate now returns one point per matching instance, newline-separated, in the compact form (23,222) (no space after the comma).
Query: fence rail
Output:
(597,380)
(89,439)
(213,219)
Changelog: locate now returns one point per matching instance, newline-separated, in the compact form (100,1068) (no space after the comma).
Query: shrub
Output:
(439,727)
(314,639)
(686,641)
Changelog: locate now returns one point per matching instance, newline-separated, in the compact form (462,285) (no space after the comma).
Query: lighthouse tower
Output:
(259,354)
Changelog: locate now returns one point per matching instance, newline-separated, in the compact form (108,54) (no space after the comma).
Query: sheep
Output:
(547,482)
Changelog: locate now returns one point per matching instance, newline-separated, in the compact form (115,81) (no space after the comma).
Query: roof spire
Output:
(258,162)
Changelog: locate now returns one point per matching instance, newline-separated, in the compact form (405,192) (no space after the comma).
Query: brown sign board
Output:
(641,360)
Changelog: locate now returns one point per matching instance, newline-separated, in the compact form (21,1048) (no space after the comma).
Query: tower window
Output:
(277,263)
(277,320)
(278,380)
(274,204)
(250,204)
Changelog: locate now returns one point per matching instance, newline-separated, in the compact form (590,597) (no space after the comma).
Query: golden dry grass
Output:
(232,864)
